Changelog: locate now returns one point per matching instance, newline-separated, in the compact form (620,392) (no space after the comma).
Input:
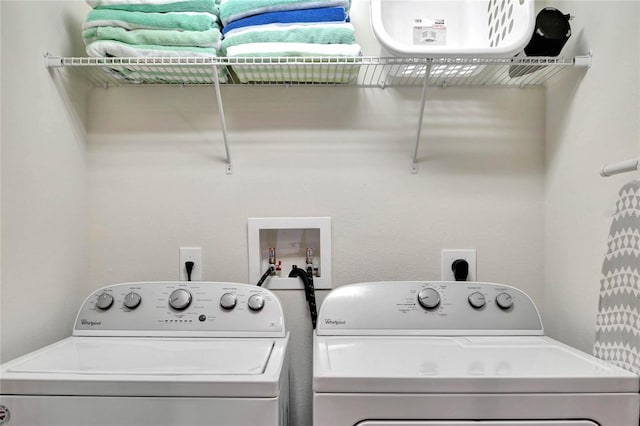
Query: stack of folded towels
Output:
(285,28)
(158,28)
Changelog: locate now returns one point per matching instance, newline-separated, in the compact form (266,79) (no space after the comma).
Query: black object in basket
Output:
(552,30)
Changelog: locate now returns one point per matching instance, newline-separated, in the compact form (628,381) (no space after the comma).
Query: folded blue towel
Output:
(232,10)
(322,14)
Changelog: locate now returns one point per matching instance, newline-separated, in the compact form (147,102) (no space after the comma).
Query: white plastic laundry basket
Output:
(448,28)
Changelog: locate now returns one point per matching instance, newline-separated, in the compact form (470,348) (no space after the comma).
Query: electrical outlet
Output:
(449,256)
(190,254)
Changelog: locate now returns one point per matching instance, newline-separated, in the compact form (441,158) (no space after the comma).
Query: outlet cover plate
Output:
(449,256)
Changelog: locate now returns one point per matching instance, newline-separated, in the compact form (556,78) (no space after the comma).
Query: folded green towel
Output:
(210,6)
(210,38)
(142,20)
(319,34)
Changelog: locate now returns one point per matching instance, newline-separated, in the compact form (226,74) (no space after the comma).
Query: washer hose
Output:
(265,276)
(309,291)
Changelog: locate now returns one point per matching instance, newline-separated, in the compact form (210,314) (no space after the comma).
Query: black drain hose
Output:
(309,291)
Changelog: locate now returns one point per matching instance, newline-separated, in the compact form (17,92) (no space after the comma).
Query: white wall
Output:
(44,209)
(590,121)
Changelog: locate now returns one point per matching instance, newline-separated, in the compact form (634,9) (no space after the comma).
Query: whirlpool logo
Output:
(333,322)
(90,323)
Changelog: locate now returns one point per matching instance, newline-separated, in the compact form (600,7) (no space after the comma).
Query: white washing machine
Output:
(455,354)
(158,353)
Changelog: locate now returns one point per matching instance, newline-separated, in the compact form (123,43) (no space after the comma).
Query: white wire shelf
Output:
(365,71)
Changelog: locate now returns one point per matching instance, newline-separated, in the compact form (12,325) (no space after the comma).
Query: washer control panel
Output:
(428,308)
(182,309)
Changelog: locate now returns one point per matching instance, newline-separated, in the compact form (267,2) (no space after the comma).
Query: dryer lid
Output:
(461,364)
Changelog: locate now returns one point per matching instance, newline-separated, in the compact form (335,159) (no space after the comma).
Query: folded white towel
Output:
(287,26)
(294,49)
(340,74)
(194,74)
(109,48)
(311,69)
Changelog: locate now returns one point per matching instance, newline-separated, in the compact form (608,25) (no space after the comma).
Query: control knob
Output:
(132,300)
(429,298)
(228,301)
(104,302)
(256,302)
(504,301)
(180,299)
(477,300)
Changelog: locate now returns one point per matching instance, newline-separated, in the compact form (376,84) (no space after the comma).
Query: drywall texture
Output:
(591,119)
(157,182)
(44,210)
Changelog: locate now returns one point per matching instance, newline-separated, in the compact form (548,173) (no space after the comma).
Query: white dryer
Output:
(158,353)
(455,354)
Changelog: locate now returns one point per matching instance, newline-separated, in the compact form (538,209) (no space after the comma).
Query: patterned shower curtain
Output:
(618,320)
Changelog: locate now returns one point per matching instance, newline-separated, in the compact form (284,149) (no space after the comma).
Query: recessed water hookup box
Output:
(282,242)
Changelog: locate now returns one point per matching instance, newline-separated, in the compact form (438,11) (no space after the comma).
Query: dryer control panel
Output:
(181,309)
(428,308)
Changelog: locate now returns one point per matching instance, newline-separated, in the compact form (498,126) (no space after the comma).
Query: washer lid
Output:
(461,364)
(136,366)
(152,356)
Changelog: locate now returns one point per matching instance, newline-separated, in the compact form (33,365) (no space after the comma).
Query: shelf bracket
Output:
(425,85)
(51,61)
(582,61)
(223,122)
